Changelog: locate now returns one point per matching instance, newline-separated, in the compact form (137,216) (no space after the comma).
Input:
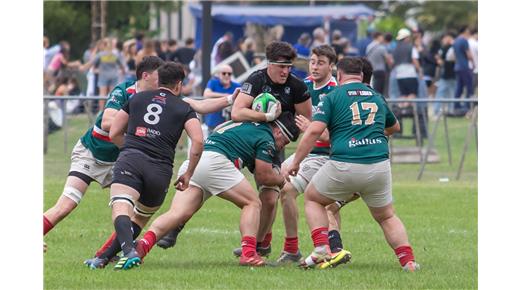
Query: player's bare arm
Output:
(193,128)
(118,128)
(265,175)
(213,104)
(304,108)
(108,117)
(303,123)
(392,129)
(242,112)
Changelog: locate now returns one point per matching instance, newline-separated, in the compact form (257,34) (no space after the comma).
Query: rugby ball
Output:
(263,102)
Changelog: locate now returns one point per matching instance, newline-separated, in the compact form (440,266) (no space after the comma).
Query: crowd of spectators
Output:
(411,64)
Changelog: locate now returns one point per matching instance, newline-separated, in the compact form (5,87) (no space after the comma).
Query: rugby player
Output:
(358,120)
(232,146)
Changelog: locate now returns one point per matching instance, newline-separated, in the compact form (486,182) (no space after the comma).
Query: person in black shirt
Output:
(143,170)
(292,95)
(184,54)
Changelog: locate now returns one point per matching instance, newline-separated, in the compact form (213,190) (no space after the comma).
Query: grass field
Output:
(441,220)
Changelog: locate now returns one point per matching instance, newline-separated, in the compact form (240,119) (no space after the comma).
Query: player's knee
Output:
(144,212)
(72,194)
(121,199)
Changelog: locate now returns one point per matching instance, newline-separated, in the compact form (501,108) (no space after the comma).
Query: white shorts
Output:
(84,162)
(340,180)
(214,174)
(309,166)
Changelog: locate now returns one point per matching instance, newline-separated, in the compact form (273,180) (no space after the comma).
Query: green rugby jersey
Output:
(317,94)
(356,117)
(242,143)
(96,139)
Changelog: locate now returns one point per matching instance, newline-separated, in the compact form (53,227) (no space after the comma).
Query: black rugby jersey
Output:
(294,91)
(155,124)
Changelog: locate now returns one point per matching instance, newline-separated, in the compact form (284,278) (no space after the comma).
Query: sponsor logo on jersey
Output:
(146,132)
(266,89)
(287,90)
(140,131)
(359,93)
(321,96)
(160,99)
(362,142)
(246,88)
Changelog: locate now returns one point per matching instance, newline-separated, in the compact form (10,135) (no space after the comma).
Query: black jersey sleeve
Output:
(253,84)
(301,92)
(126,107)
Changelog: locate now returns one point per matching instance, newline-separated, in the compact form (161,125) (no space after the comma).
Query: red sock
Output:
(404,254)
(248,246)
(267,240)
(149,240)
(47,225)
(291,245)
(107,244)
(320,236)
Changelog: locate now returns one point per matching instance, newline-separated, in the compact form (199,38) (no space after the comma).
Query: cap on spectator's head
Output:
(403,33)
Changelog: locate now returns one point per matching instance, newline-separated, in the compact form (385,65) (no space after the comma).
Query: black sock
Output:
(335,241)
(123,226)
(115,247)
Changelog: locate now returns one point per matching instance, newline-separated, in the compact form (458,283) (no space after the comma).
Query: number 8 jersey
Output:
(155,124)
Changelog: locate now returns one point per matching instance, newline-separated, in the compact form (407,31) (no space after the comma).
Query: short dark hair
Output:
(149,64)
(463,29)
(172,42)
(350,65)
(376,34)
(327,51)
(170,73)
(368,69)
(188,41)
(280,49)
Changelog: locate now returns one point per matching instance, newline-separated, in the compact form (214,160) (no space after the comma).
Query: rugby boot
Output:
(341,257)
(254,261)
(264,252)
(288,258)
(129,261)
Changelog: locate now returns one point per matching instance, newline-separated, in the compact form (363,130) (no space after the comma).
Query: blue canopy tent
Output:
(295,19)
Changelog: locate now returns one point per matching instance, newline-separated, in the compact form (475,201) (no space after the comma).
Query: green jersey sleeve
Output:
(323,110)
(390,118)
(116,98)
(266,151)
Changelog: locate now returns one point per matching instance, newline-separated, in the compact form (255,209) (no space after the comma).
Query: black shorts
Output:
(408,86)
(149,176)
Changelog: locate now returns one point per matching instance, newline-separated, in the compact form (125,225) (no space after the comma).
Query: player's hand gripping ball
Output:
(264,103)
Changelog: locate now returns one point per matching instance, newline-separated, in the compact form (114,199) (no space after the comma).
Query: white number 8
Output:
(152,113)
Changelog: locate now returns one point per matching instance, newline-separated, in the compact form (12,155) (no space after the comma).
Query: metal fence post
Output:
(468,137)
(45,126)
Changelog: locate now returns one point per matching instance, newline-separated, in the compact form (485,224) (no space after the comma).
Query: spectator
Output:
(248,50)
(185,54)
(139,36)
(107,61)
(446,61)
(188,82)
(319,35)
(172,47)
(220,86)
(162,49)
(463,71)
(130,53)
(337,42)
(389,42)
(60,60)
(364,42)
(407,68)
(148,50)
(48,53)
(473,47)
(426,59)
(380,59)
(215,56)
(302,46)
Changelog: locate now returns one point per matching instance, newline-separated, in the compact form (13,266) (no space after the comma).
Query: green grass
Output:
(441,220)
